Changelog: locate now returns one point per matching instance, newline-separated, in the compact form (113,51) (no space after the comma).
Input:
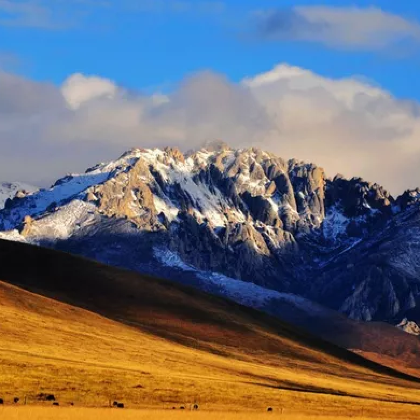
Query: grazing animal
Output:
(195,407)
(16,400)
(269,409)
(120,405)
(1,401)
(56,403)
(115,403)
(71,403)
(182,407)
(173,408)
(50,397)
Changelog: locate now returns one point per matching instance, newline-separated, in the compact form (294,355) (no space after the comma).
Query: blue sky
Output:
(331,82)
(151,45)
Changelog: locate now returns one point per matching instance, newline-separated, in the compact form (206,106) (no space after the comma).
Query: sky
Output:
(331,82)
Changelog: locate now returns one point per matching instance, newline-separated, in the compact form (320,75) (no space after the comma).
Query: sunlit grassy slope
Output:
(89,334)
(44,413)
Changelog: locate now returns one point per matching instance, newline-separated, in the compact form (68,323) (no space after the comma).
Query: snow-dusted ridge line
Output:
(65,189)
(58,210)
(244,214)
(13,235)
(207,204)
(9,190)
(242,292)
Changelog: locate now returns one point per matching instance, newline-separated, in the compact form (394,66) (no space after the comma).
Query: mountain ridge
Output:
(246,214)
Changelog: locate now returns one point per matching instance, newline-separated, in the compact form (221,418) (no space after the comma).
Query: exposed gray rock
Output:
(244,213)
(409,327)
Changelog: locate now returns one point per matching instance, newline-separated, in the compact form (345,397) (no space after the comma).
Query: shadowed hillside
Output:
(377,341)
(90,333)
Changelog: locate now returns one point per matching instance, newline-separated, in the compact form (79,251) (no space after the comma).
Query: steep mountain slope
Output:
(383,270)
(244,214)
(376,340)
(89,333)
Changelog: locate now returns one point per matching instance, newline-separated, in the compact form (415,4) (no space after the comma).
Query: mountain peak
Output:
(215,146)
(244,213)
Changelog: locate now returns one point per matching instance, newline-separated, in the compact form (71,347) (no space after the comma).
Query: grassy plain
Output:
(153,345)
(37,413)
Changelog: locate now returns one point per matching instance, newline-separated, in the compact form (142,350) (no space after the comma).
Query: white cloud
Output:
(346,125)
(78,89)
(343,27)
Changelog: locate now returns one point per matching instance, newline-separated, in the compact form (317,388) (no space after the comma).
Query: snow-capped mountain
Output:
(244,215)
(8,190)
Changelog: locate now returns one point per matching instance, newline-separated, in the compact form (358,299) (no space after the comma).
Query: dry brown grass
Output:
(81,357)
(36,413)
(157,346)
(403,362)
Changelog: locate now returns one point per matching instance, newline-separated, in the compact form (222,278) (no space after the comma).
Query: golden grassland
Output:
(38,413)
(84,358)
(402,362)
(91,335)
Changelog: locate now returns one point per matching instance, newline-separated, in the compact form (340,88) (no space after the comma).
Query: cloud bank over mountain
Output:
(346,125)
(369,28)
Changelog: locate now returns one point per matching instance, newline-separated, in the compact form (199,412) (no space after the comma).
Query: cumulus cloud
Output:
(342,27)
(78,89)
(346,125)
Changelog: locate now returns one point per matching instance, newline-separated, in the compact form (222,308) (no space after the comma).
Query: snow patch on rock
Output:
(242,292)
(9,190)
(409,327)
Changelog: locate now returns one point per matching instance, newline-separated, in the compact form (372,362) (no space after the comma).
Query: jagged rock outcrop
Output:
(409,327)
(27,224)
(127,195)
(378,276)
(247,214)
(358,197)
(407,199)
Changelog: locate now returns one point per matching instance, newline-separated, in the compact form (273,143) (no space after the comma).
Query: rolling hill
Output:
(90,334)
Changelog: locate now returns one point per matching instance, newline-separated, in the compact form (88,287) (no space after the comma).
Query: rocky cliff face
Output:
(247,214)
(377,277)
